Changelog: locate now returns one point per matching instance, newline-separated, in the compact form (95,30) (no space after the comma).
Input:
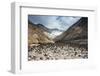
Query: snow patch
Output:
(55,33)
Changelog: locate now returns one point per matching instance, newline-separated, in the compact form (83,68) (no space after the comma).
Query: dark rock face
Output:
(76,34)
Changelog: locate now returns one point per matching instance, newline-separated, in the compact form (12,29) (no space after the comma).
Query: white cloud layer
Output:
(59,22)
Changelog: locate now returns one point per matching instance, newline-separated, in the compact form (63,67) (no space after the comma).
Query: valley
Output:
(72,43)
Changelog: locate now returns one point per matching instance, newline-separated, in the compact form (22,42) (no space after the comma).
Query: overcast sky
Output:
(59,22)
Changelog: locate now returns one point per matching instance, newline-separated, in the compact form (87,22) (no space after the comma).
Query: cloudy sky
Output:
(59,22)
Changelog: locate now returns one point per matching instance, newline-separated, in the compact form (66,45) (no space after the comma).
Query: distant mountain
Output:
(40,26)
(55,29)
(55,32)
(43,28)
(37,33)
(52,33)
(77,33)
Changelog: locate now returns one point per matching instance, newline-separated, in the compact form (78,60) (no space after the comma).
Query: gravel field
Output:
(56,51)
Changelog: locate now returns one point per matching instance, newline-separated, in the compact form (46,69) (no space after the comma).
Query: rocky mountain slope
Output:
(37,34)
(77,33)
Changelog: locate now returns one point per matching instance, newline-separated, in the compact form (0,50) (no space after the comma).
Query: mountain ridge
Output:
(37,35)
(77,32)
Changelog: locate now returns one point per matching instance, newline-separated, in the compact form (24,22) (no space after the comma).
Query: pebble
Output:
(55,52)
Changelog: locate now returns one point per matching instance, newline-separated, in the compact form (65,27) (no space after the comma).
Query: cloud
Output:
(66,22)
(59,22)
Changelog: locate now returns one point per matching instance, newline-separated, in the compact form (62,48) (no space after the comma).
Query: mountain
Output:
(55,29)
(40,26)
(77,33)
(43,28)
(54,32)
(37,34)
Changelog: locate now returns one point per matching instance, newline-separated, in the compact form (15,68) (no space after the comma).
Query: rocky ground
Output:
(56,51)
